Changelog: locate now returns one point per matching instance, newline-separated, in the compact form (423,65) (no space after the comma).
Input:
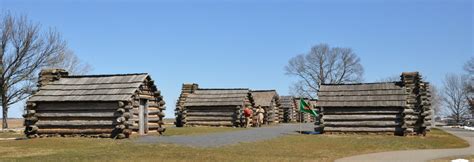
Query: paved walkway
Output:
(419,155)
(229,138)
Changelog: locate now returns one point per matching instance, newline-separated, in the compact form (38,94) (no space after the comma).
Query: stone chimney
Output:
(47,76)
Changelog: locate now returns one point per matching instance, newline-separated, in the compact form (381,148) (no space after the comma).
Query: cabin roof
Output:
(217,97)
(115,87)
(264,97)
(286,101)
(387,94)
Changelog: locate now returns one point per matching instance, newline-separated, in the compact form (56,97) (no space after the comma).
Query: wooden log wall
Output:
(359,119)
(213,116)
(180,112)
(100,119)
(272,113)
(288,108)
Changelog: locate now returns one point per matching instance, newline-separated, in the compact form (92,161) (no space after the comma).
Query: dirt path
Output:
(419,155)
(228,138)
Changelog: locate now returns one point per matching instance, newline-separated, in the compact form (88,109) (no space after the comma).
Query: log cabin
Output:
(112,106)
(287,105)
(400,108)
(212,106)
(270,102)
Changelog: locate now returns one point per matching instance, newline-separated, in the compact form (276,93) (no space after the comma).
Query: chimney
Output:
(50,75)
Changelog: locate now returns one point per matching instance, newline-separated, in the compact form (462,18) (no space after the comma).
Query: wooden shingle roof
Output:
(389,94)
(119,87)
(264,97)
(217,97)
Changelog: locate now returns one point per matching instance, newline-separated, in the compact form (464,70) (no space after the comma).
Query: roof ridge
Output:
(268,90)
(361,83)
(102,75)
(223,89)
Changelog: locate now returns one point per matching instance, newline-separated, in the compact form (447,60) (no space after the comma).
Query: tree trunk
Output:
(5,112)
(3,93)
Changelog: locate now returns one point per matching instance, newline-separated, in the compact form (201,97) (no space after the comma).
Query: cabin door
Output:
(143,117)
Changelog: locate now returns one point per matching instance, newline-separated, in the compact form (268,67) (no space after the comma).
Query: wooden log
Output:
(210,113)
(121,119)
(59,106)
(120,126)
(121,110)
(359,129)
(210,118)
(121,104)
(359,117)
(74,131)
(210,123)
(66,123)
(80,114)
(363,124)
(153,119)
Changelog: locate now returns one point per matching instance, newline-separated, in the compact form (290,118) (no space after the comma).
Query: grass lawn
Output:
(448,159)
(174,131)
(10,134)
(286,148)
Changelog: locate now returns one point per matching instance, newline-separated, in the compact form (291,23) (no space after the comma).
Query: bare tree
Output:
(70,62)
(469,67)
(469,84)
(454,98)
(24,49)
(436,101)
(322,65)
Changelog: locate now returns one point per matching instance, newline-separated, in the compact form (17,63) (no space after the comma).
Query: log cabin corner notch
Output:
(112,106)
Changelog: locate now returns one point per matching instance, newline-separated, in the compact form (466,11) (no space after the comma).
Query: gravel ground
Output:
(229,138)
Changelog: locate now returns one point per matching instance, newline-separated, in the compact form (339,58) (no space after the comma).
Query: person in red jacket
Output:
(248,116)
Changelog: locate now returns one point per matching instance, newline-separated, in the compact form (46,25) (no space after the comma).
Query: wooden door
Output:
(143,117)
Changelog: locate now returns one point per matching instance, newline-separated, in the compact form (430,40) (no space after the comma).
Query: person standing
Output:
(259,113)
(248,116)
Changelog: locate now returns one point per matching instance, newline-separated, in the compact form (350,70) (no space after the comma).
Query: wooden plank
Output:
(209,118)
(362,124)
(359,117)
(79,115)
(74,123)
(216,114)
(359,129)
(60,106)
(74,131)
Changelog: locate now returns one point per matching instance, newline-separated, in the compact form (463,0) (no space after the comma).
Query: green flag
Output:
(304,107)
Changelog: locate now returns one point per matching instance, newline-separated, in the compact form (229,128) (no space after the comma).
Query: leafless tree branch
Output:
(323,65)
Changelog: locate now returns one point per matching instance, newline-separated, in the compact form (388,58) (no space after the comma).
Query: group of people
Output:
(249,115)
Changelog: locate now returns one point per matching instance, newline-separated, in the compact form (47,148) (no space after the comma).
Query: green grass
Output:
(173,131)
(286,148)
(11,134)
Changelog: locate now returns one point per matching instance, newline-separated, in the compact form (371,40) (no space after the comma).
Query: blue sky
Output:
(247,43)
